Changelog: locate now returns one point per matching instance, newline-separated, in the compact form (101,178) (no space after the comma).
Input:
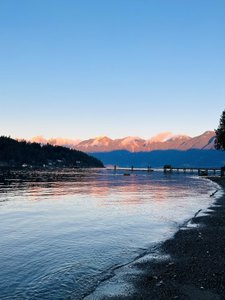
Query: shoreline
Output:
(196,268)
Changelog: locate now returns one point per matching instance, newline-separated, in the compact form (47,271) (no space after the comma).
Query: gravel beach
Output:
(196,265)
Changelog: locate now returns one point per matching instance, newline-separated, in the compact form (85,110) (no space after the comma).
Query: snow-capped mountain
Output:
(56,141)
(162,141)
(161,137)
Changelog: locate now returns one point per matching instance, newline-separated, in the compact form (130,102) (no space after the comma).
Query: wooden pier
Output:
(200,171)
(132,169)
(170,169)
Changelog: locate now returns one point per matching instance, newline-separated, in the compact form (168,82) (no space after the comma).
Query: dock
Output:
(167,169)
(200,171)
(131,169)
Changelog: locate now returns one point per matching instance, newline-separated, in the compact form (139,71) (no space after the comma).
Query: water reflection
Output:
(62,234)
(41,185)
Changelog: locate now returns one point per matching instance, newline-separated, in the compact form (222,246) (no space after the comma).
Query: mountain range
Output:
(162,141)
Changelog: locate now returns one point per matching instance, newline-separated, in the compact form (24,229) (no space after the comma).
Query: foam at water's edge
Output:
(119,284)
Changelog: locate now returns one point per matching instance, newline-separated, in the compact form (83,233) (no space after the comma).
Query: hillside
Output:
(159,158)
(21,153)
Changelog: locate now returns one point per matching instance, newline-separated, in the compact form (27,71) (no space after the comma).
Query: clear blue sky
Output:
(84,68)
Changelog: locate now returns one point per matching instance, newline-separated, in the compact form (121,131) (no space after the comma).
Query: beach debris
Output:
(213,193)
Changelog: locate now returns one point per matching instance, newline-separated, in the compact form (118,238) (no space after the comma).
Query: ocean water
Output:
(63,234)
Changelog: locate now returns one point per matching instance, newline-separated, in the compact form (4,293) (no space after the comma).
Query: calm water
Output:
(61,236)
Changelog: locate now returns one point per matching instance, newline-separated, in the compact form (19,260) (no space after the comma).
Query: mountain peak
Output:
(102,137)
(162,137)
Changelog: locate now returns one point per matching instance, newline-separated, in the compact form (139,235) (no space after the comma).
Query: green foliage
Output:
(16,153)
(220,133)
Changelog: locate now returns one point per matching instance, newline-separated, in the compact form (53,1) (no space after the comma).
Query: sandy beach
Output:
(196,267)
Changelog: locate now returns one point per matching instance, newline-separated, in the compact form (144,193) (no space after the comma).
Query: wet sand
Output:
(196,267)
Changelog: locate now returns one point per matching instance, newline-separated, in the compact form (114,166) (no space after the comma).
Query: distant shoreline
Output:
(41,173)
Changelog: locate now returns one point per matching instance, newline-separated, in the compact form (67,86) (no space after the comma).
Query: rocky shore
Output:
(196,266)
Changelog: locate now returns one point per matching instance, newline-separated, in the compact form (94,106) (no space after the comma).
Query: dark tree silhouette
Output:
(16,153)
(220,133)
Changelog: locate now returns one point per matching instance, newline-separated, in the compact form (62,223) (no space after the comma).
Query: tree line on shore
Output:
(15,153)
(220,133)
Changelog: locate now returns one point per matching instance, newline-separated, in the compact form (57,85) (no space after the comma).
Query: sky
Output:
(84,68)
